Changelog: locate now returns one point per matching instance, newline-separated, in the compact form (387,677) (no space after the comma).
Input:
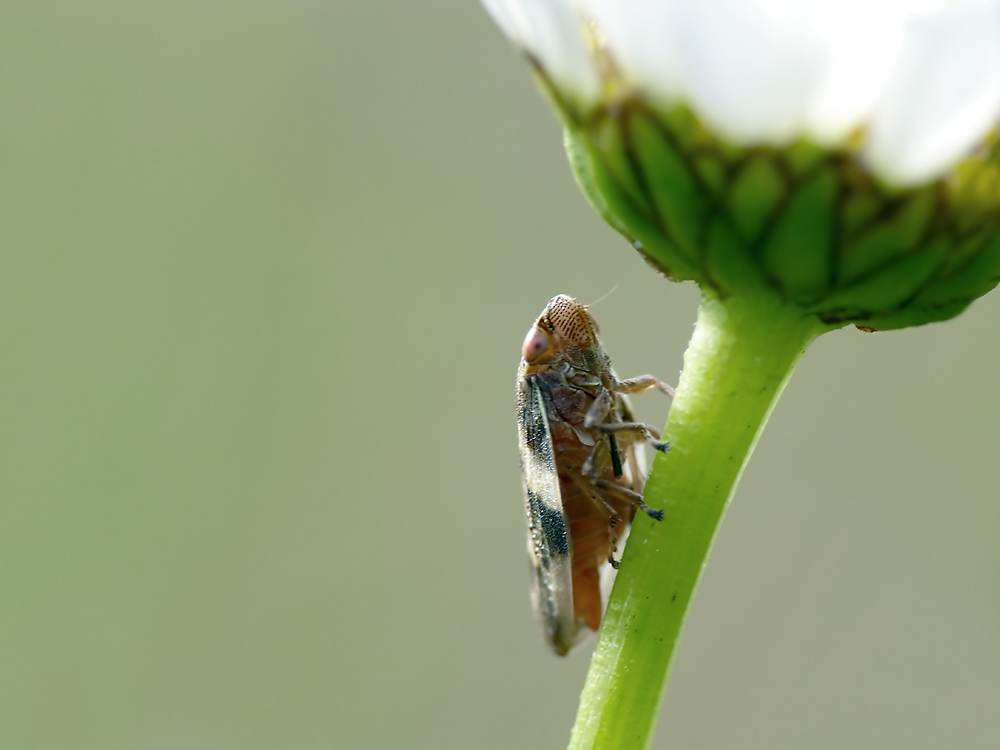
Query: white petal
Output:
(862,40)
(551,31)
(640,36)
(943,95)
(749,67)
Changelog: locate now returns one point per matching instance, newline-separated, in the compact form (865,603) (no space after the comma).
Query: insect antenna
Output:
(601,299)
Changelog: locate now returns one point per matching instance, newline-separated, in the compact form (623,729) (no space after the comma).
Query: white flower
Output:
(919,80)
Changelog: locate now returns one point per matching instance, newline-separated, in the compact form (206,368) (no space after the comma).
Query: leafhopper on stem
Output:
(581,464)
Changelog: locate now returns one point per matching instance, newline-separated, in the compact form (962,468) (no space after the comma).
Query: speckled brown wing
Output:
(548,531)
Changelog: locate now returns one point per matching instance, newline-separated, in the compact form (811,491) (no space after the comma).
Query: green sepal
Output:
(808,225)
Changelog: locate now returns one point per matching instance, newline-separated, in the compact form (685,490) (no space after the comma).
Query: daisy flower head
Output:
(839,154)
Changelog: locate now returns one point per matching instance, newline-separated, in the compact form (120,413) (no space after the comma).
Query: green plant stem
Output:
(741,355)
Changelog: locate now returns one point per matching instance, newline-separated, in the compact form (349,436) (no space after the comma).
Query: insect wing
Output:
(548,533)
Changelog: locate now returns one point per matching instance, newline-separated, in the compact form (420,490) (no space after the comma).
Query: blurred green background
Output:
(266,268)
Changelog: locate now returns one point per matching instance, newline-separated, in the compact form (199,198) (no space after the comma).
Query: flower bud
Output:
(840,156)
(811,225)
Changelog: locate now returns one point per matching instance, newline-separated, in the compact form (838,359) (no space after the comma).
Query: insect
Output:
(581,465)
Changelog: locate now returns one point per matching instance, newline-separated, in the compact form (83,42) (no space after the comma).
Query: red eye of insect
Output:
(536,343)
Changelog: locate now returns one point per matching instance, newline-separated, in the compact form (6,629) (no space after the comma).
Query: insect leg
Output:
(631,495)
(637,472)
(646,431)
(616,456)
(641,383)
(601,447)
(599,410)
(587,485)
(585,482)
(591,472)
